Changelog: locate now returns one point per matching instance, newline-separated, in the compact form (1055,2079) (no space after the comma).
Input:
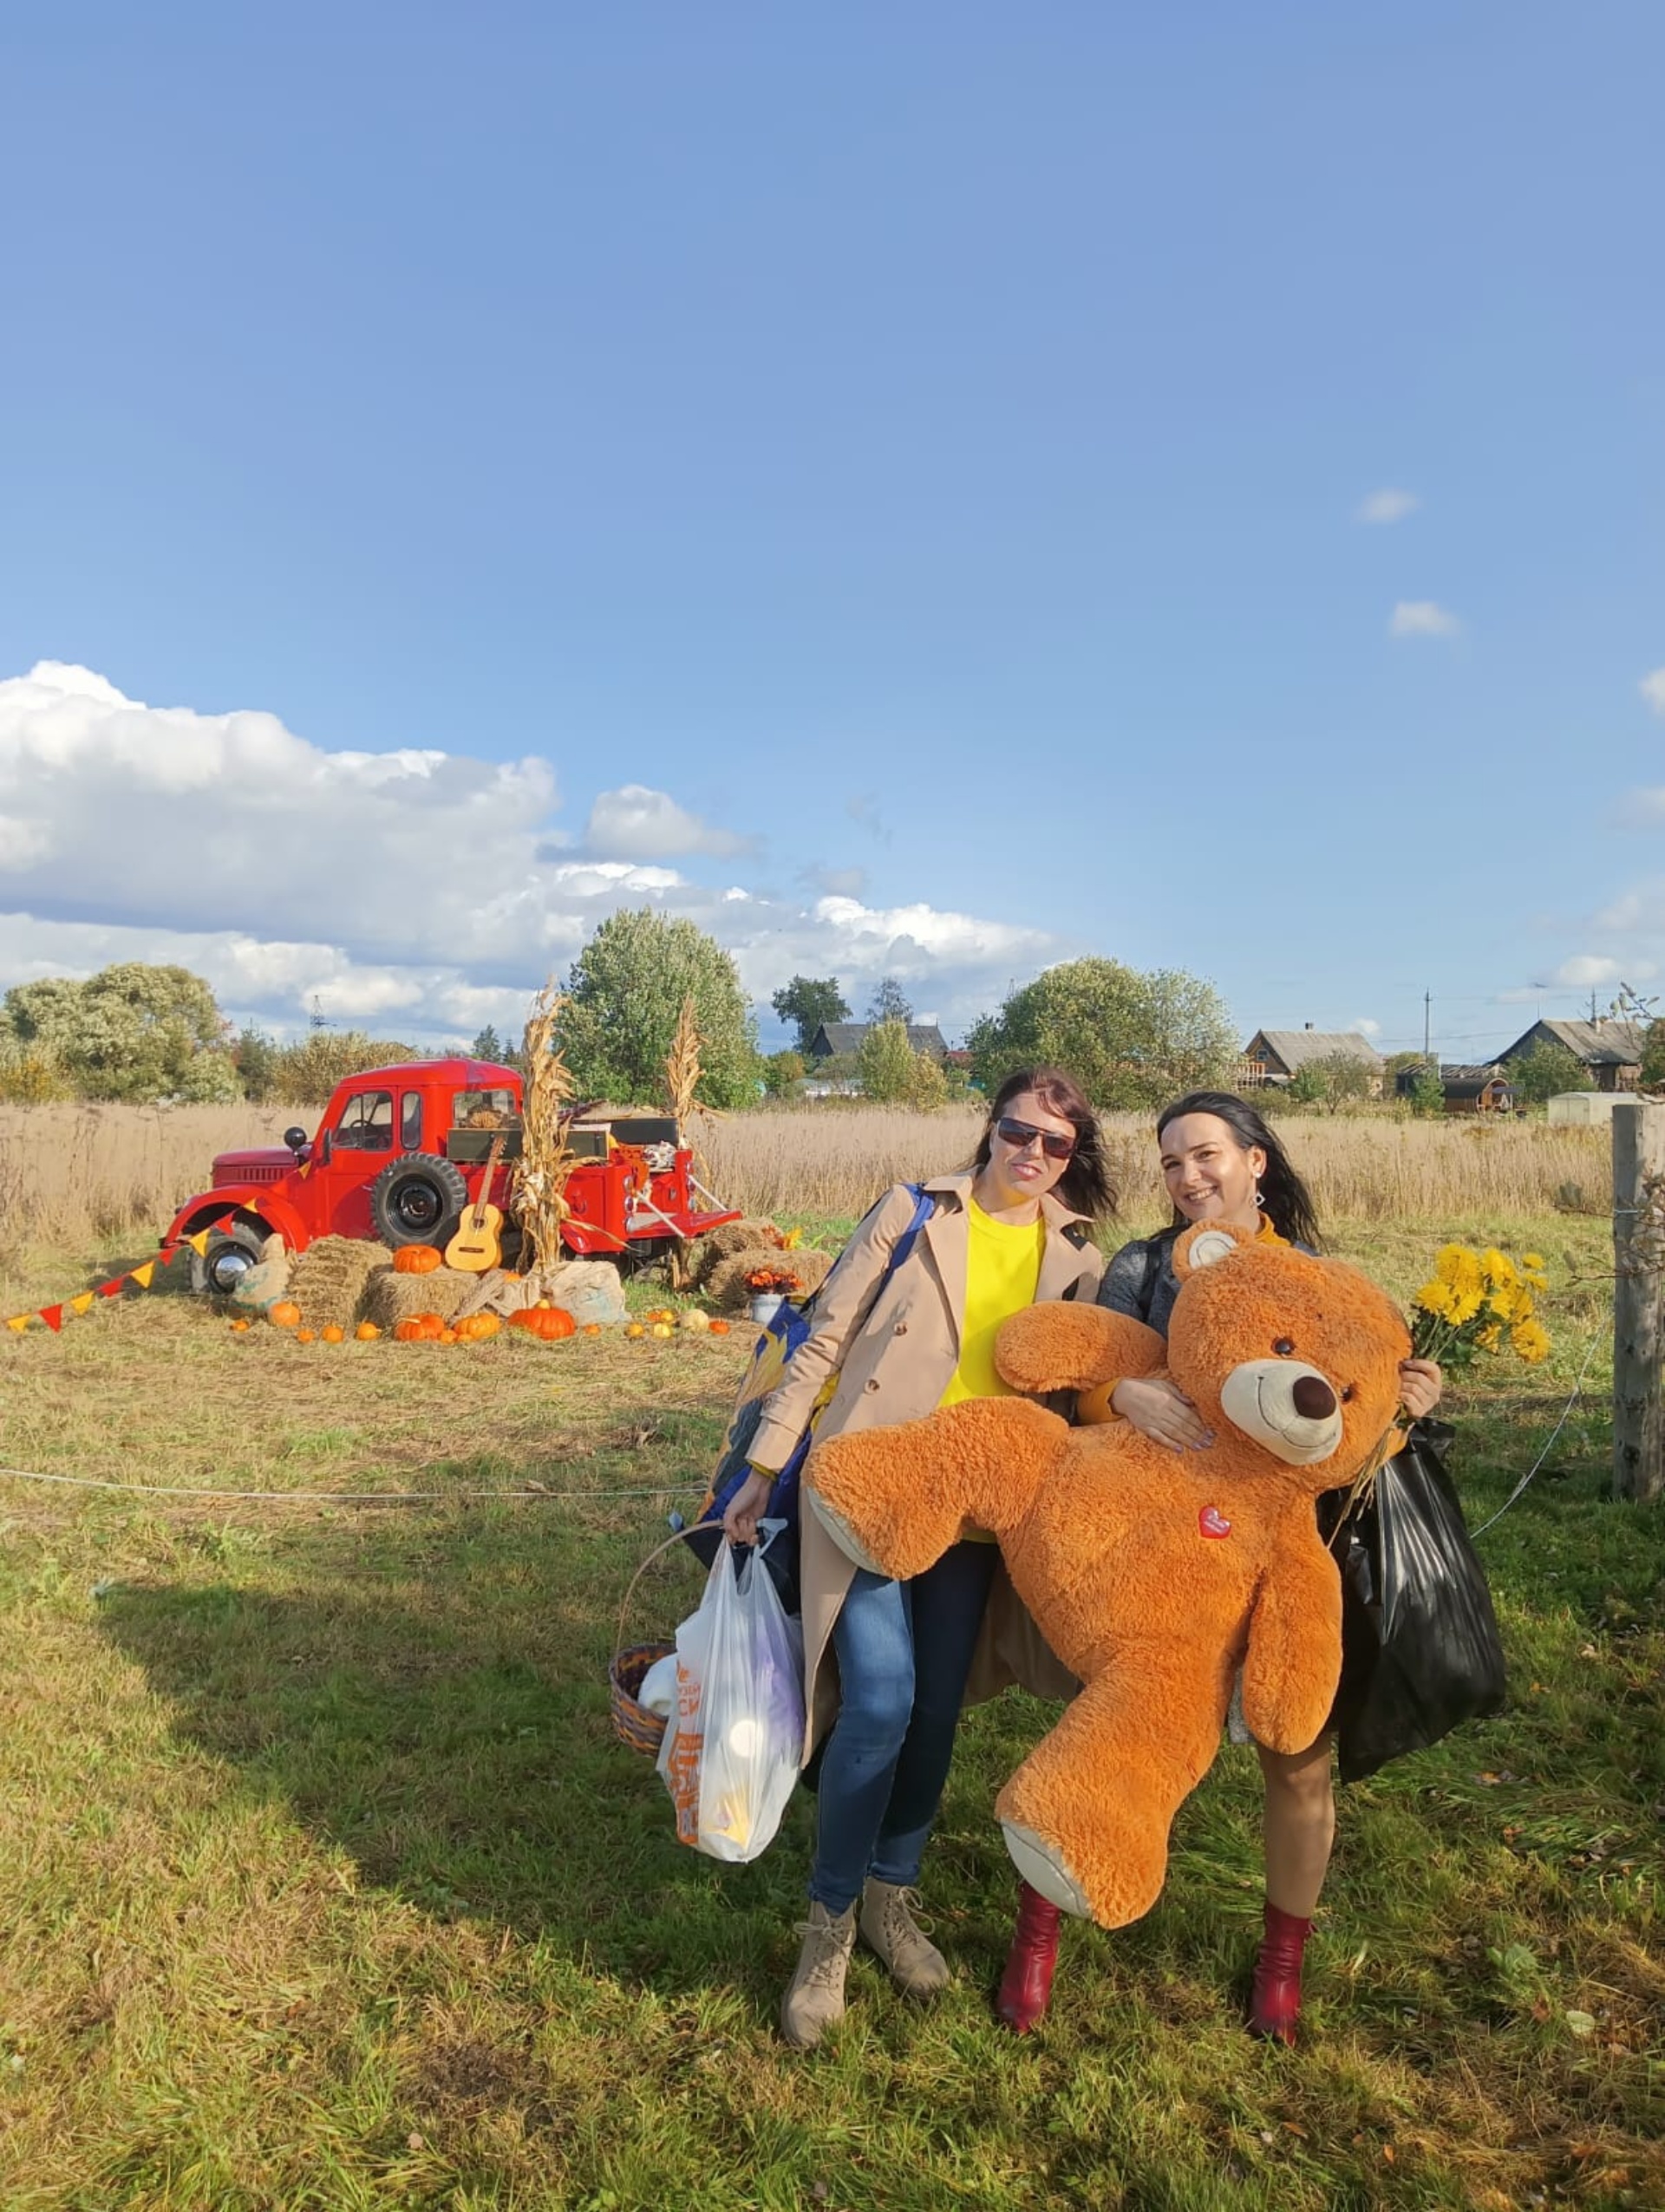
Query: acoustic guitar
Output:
(478,1244)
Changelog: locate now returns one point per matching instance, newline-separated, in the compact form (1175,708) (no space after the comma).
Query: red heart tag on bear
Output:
(1213,1523)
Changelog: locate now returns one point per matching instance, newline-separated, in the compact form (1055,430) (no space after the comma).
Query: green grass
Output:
(325,1883)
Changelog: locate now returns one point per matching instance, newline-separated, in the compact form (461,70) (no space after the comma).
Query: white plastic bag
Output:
(732,1745)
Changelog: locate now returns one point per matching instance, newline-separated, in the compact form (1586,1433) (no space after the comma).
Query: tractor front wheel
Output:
(226,1259)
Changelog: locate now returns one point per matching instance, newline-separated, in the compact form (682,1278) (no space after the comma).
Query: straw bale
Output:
(327,1281)
(390,1298)
(727,1285)
(730,1236)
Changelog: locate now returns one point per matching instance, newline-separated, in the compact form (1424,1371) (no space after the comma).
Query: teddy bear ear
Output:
(1208,1242)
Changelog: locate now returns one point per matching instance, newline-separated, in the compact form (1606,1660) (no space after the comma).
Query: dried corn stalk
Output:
(682,1080)
(540,1173)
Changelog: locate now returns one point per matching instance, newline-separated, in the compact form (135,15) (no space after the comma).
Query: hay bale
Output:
(727,1285)
(327,1281)
(730,1236)
(391,1298)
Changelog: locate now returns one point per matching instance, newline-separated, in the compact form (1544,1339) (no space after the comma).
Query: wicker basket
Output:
(632,1722)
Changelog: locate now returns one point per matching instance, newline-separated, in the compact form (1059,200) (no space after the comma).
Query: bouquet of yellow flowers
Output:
(1479,1302)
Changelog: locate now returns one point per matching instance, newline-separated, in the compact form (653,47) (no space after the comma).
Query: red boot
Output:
(1026,1983)
(1274,2005)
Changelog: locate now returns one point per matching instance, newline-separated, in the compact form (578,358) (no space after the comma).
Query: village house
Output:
(838,1039)
(1273,1056)
(1470,1089)
(1610,1050)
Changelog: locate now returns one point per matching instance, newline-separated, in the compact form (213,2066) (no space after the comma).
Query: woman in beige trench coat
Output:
(1012,1228)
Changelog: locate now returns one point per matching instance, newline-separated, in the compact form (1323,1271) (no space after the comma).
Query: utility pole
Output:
(1427,1018)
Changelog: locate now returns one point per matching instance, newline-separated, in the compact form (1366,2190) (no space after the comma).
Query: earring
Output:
(1260,1196)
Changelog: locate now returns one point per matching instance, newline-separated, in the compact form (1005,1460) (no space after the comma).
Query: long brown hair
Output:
(1085,1187)
(1285,1198)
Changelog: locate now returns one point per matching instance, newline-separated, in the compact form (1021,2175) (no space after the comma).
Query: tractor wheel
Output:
(417,1199)
(226,1259)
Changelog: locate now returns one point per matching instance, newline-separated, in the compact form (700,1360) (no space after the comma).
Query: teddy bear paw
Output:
(1042,1866)
(841,1532)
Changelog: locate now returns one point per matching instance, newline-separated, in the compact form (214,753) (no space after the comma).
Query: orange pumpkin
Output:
(592,1329)
(367,1331)
(303,1336)
(238,1327)
(478,1328)
(333,1335)
(415,1259)
(285,1315)
(409,1331)
(718,1328)
(445,1336)
(546,1323)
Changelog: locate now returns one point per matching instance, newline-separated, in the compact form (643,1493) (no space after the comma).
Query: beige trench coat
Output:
(894,1354)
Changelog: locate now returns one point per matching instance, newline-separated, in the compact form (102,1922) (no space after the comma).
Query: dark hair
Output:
(1085,1187)
(1285,1198)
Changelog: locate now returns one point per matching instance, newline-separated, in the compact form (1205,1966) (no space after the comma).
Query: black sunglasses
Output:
(1020,1136)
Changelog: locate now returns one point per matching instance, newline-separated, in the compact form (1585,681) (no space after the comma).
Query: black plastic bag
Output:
(1420,1645)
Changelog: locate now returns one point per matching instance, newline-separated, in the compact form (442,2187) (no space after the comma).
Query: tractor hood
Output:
(264,1164)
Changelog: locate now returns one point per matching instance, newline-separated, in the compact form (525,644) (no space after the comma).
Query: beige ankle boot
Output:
(815,1996)
(888,1927)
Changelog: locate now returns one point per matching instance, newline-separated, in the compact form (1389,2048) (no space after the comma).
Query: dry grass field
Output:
(73,1174)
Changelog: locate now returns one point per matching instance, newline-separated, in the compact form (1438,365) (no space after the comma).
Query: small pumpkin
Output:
(304,1336)
(447,1336)
(285,1315)
(591,1329)
(238,1327)
(416,1259)
(367,1333)
(478,1328)
(546,1323)
(332,1335)
(408,1331)
(718,1328)
(635,1328)
(662,1328)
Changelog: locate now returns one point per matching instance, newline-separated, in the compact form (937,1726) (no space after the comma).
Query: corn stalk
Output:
(545,1162)
(682,1081)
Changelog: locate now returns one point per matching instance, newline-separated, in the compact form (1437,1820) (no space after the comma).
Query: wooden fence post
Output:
(1638,1297)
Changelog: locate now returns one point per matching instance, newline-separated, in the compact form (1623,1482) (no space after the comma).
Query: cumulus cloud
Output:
(1421,618)
(1365,1026)
(1652,688)
(635,824)
(1585,971)
(1387,505)
(418,892)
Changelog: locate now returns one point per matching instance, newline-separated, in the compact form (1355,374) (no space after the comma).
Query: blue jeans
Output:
(903,1652)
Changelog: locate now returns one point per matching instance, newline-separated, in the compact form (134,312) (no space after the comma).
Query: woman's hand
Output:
(740,1522)
(1421,1384)
(1162,1412)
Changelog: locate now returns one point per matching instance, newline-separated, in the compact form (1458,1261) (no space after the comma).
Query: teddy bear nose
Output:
(1314,1399)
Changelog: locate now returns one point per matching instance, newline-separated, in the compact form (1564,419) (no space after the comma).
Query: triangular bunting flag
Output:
(20,1322)
(142,1275)
(199,1243)
(52,1316)
(80,1305)
(111,1289)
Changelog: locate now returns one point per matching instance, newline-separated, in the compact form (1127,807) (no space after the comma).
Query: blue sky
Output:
(892,485)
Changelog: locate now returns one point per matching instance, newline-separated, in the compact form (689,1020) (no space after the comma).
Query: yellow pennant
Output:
(141,1275)
(199,1243)
(20,1322)
(82,1304)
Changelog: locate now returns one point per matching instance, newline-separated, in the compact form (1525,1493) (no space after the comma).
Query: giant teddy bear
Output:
(1153,1574)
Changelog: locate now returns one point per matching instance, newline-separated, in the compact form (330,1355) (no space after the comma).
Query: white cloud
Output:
(1365,1026)
(1585,971)
(1421,618)
(1387,505)
(635,824)
(1652,688)
(419,893)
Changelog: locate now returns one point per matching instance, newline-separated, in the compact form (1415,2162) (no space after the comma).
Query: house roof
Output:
(1598,1044)
(841,1037)
(1294,1049)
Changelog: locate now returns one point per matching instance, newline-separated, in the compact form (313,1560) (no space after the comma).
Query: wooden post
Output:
(1638,1295)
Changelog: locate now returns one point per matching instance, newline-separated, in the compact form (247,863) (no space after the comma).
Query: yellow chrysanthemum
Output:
(1435,1298)
(1499,1267)
(1465,1304)
(1490,1337)
(1457,1265)
(1531,1340)
(1507,1305)
(1533,1260)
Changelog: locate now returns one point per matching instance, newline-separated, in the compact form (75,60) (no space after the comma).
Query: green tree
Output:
(255,1059)
(892,1073)
(307,1072)
(1336,1080)
(627,989)
(1427,1092)
(783,1073)
(1131,1040)
(889,1002)
(1545,1069)
(487,1045)
(132,1031)
(807,1001)
(1653,1054)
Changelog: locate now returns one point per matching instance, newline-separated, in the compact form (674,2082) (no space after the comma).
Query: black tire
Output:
(228,1255)
(417,1199)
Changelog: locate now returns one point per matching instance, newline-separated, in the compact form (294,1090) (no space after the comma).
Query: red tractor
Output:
(402,1152)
